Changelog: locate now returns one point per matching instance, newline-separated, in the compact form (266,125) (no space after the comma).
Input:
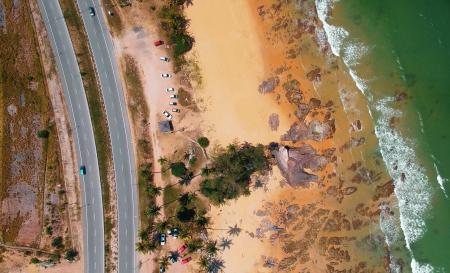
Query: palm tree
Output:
(211,248)
(153,190)
(234,231)
(174,256)
(161,226)
(203,263)
(187,198)
(141,247)
(164,262)
(194,245)
(153,210)
(225,243)
(215,265)
(202,221)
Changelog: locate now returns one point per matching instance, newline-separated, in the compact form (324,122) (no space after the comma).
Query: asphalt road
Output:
(78,109)
(102,48)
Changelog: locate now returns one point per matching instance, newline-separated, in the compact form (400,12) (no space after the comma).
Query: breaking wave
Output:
(411,183)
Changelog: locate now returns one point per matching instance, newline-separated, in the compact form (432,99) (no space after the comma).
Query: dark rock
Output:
(269,85)
(302,111)
(293,92)
(293,163)
(274,121)
(314,75)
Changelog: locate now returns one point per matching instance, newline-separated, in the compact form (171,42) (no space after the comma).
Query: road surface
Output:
(102,48)
(83,134)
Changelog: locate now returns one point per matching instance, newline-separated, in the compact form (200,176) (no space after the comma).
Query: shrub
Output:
(71,254)
(35,260)
(58,242)
(186,214)
(192,161)
(203,141)
(218,190)
(49,230)
(178,169)
(43,134)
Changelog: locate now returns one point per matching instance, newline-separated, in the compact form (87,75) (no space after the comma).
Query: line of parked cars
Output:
(174,97)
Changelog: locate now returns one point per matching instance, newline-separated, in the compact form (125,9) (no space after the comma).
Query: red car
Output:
(158,43)
(186,260)
(182,249)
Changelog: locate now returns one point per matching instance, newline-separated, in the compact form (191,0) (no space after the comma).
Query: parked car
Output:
(175,110)
(162,269)
(82,170)
(167,115)
(173,103)
(173,232)
(91,11)
(166,75)
(158,42)
(162,239)
(173,96)
(182,249)
(170,89)
(186,260)
(164,58)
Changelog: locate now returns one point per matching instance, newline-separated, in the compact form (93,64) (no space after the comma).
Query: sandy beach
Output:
(241,48)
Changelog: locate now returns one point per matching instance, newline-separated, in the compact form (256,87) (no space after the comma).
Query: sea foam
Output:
(411,182)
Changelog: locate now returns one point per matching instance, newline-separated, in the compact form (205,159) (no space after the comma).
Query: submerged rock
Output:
(297,163)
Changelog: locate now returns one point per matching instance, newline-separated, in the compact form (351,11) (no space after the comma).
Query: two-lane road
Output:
(102,48)
(82,132)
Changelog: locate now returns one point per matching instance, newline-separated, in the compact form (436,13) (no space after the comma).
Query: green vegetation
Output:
(203,142)
(229,175)
(71,254)
(175,24)
(58,242)
(49,230)
(178,169)
(43,134)
(35,260)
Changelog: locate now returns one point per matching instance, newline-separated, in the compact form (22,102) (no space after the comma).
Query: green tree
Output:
(194,245)
(153,210)
(35,260)
(185,214)
(211,248)
(187,198)
(71,254)
(43,134)
(58,242)
(153,190)
(203,142)
(178,169)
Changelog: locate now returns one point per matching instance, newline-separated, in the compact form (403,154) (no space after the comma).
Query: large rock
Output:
(315,130)
(297,163)
(269,85)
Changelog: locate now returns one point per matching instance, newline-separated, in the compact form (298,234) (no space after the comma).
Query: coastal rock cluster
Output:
(297,164)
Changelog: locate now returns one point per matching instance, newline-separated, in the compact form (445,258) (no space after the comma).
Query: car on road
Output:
(173,103)
(91,11)
(166,75)
(164,58)
(82,170)
(162,239)
(173,96)
(170,89)
(175,110)
(167,115)
(158,42)
(182,249)
(186,260)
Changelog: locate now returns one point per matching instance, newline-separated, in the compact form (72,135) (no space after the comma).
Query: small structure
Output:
(165,126)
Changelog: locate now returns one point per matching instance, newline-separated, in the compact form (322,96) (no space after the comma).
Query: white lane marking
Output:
(79,106)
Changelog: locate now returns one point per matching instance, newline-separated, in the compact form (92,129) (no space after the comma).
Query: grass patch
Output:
(170,194)
(95,102)
(135,90)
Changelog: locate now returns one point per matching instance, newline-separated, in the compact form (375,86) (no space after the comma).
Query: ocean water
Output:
(398,53)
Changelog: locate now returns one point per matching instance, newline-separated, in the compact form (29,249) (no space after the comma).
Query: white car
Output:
(173,96)
(176,110)
(173,103)
(167,115)
(166,75)
(170,89)
(164,59)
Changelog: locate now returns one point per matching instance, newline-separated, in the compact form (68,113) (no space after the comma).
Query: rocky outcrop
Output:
(296,164)
(274,121)
(315,130)
(293,92)
(269,85)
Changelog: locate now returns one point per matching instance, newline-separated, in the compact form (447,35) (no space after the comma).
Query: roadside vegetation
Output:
(29,147)
(96,110)
(175,25)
